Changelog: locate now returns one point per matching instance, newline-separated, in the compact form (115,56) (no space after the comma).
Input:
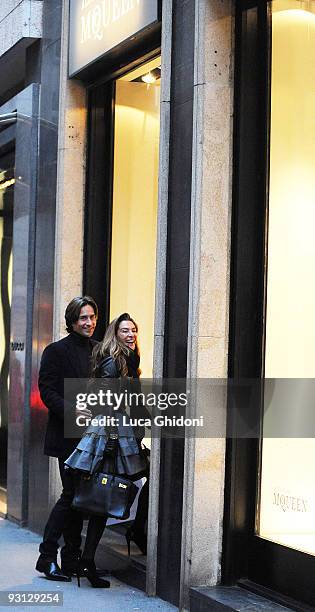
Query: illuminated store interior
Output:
(135,197)
(287,496)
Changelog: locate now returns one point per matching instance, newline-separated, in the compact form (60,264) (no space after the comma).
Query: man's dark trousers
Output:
(63,521)
(67,358)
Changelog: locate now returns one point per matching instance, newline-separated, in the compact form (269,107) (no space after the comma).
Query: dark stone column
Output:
(177,290)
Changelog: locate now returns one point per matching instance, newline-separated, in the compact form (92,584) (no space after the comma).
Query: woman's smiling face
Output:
(127,334)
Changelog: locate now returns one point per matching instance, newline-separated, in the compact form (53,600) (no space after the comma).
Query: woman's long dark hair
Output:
(111,345)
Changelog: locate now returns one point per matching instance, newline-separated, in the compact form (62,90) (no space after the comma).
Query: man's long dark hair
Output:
(74,308)
(111,345)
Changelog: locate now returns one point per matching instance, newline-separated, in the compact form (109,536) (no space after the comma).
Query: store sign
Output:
(97,26)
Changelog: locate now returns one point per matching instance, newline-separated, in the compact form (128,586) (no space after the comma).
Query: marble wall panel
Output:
(70,187)
(209,284)
(18,20)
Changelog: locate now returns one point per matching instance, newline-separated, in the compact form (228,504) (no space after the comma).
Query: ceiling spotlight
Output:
(148,78)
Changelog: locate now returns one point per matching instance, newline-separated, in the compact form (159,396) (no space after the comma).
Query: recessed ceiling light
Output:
(148,78)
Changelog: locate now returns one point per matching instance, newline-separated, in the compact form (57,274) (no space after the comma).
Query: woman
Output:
(116,357)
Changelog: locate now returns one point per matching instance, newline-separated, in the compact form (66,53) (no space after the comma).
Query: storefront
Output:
(156,191)
(269,497)
(128,190)
(123,79)
(95,193)
(138,109)
(150,186)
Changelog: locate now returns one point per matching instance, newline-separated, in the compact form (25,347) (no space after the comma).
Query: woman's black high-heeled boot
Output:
(86,565)
(137,532)
(86,568)
(138,537)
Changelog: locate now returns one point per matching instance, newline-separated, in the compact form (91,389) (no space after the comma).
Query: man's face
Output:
(85,325)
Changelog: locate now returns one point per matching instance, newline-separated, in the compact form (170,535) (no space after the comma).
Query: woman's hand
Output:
(83,412)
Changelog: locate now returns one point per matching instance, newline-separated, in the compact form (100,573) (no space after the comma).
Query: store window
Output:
(287,489)
(135,198)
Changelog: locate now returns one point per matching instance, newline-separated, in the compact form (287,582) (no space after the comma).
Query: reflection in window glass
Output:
(6,228)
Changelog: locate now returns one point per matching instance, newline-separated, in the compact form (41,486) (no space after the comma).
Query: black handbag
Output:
(105,494)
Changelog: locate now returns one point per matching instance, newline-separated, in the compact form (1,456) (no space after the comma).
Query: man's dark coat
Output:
(61,360)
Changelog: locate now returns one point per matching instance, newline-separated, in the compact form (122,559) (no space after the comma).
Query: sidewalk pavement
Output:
(18,554)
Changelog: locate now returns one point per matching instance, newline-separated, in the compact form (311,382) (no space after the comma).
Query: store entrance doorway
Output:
(133,235)
(121,239)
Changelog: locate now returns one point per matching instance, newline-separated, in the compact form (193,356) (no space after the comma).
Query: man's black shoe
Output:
(51,570)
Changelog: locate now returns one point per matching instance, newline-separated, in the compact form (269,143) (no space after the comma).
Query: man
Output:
(67,358)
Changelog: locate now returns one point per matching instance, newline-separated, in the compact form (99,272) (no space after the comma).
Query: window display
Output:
(287,495)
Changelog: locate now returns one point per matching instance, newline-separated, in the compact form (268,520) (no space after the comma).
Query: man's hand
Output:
(85,412)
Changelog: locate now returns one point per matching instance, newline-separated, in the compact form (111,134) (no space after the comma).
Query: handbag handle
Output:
(111,446)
